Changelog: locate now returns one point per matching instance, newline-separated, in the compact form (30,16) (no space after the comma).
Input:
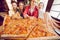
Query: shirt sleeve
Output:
(36,14)
(25,11)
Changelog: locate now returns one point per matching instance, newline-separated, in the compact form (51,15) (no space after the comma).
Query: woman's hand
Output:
(32,17)
(26,16)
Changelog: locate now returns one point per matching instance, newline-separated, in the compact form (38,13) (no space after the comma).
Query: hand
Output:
(26,16)
(32,17)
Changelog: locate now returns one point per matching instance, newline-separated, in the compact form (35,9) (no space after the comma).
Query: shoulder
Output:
(27,7)
(36,8)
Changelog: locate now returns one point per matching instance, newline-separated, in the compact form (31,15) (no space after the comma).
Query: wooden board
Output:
(33,25)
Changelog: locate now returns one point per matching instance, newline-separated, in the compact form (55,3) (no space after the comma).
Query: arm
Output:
(54,22)
(49,23)
(36,14)
(25,12)
(46,18)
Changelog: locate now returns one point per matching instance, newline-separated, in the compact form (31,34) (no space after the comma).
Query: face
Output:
(32,2)
(21,6)
(14,5)
(40,5)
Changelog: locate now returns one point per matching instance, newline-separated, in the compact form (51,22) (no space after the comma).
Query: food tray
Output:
(37,25)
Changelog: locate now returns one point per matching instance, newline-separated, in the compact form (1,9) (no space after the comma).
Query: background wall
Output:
(55,10)
(45,4)
(44,1)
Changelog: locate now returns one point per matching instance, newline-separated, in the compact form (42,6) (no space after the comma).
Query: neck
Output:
(32,6)
(14,10)
(21,9)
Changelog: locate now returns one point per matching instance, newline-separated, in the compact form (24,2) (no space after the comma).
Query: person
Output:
(31,10)
(21,8)
(14,8)
(51,23)
(40,10)
(14,11)
(55,25)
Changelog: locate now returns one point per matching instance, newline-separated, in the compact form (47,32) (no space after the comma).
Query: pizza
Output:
(31,27)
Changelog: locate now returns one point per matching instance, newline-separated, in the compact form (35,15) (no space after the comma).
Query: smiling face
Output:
(40,5)
(32,2)
(14,5)
(21,6)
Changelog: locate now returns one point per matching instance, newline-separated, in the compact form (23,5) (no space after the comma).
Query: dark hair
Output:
(30,2)
(20,2)
(13,2)
(42,3)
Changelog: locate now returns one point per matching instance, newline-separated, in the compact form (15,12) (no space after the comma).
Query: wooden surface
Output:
(50,29)
(39,38)
(45,38)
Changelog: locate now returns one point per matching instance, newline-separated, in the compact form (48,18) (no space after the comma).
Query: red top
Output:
(34,13)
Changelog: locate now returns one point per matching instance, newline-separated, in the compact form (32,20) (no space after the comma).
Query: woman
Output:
(55,24)
(21,8)
(14,8)
(14,12)
(31,11)
(40,10)
(51,24)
